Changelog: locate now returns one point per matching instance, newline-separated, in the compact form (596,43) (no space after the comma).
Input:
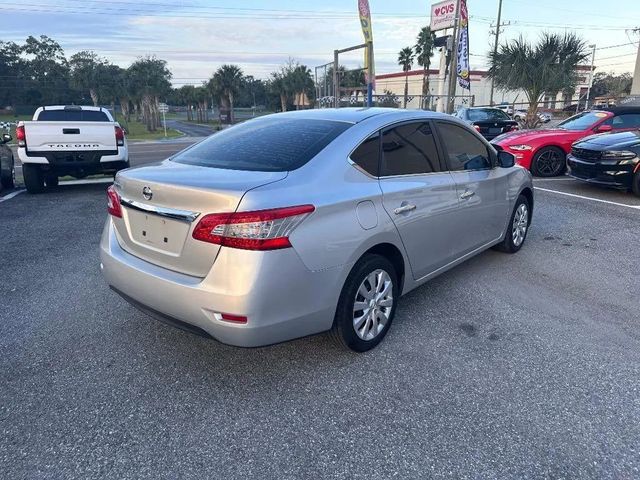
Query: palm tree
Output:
(405,60)
(226,82)
(546,67)
(424,50)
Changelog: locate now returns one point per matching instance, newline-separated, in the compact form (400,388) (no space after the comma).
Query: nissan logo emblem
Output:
(147,193)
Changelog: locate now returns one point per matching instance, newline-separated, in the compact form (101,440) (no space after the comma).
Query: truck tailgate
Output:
(70,136)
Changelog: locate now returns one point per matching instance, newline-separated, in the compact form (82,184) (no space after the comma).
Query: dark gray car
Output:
(7,166)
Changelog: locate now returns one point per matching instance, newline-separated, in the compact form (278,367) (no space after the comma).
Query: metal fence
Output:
(413,102)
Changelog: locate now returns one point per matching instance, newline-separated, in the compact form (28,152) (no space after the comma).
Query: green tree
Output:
(405,60)
(546,67)
(226,83)
(424,51)
(11,73)
(610,84)
(46,72)
(88,73)
(148,78)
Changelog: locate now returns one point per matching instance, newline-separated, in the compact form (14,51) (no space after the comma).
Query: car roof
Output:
(621,110)
(356,115)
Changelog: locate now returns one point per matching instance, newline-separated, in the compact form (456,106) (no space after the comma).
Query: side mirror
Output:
(603,129)
(6,138)
(506,159)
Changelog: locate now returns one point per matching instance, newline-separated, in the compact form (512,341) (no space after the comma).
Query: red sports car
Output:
(544,151)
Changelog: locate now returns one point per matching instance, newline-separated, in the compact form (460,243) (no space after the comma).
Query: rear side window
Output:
(626,120)
(72,116)
(409,149)
(464,150)
(487,115)
(367,155)
(266,144)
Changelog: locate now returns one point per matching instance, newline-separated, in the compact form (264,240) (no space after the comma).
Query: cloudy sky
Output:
(196,36)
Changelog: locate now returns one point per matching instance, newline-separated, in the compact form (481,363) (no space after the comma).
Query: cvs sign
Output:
(443,15)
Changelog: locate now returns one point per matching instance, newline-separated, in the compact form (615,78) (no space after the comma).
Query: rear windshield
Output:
(486,114)
(267,144)
(582,121)
(72,116)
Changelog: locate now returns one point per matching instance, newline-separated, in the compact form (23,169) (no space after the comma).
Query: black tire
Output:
(635,184)
(7,177)
(33,178)
(509,244)
(549,162)
(344,330)
(51,180)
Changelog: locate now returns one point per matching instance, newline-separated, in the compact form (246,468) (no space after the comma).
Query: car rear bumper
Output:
(75,159)
(609,174)
(280,297)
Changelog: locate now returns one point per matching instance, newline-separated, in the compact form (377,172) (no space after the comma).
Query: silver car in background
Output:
(304,222)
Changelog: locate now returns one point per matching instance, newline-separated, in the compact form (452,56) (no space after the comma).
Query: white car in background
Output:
(520,115)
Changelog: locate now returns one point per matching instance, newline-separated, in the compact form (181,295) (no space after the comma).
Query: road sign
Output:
(163,107)
(443,15)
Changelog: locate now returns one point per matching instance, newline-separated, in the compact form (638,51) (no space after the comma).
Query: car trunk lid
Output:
(70,136)
(162,203)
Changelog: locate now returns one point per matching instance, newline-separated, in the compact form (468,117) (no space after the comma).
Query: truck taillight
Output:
(119,136)
(259,230)
(113,202)
(21,136)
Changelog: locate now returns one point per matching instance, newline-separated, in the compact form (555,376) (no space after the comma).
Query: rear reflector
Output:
(233,318)
(21,136)
(259,230)
(113,202)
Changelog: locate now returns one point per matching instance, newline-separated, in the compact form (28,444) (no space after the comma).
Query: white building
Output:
(480,89)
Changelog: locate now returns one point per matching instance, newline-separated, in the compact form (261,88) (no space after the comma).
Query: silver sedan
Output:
(304,222)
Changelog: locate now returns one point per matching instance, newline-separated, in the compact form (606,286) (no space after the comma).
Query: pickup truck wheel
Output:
(8,178)
(51,180)
(548,162)
(635,184)
(33,178)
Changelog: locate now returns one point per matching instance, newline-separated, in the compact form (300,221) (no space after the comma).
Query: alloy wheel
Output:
(520,224)
(549,163)
(373,305)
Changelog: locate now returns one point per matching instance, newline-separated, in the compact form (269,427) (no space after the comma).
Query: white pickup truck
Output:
(69,140)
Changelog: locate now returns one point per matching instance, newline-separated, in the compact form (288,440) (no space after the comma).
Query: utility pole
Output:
(635,86)
(495,45)
(453,76)
(593,57)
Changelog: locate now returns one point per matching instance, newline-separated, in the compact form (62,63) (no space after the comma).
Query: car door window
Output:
(367,155)
(464,150)
(409,149)
(626,120)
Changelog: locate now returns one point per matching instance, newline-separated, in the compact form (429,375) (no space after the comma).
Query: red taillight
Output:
(514,127)
(477,128)
(259,230)
(119,136)
(113,202)
(21,136)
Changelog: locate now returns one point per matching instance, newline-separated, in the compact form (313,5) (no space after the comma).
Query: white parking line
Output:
(557,179)
(635,207)
(11,195)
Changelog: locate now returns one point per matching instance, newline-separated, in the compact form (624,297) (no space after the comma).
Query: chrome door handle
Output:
(404,208)
(467,194)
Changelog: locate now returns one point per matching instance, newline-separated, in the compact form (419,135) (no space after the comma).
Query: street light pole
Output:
(495,46)
(593,57)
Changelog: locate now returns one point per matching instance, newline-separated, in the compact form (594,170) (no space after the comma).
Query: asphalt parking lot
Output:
(508,366)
